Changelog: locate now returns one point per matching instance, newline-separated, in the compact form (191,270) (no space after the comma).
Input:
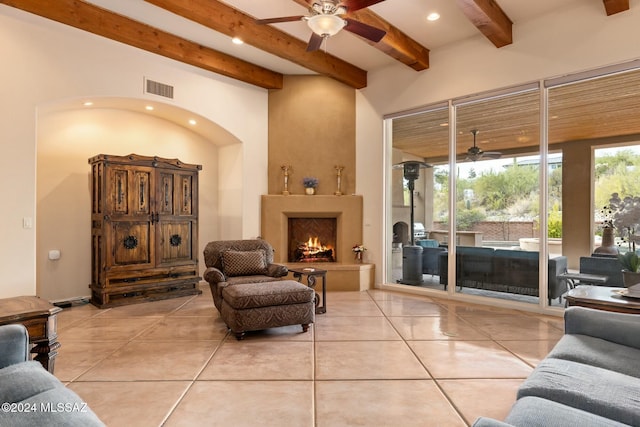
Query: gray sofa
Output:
(590,378)
(30,395)
(501,270)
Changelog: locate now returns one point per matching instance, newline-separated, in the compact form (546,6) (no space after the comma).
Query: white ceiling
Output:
(407,15)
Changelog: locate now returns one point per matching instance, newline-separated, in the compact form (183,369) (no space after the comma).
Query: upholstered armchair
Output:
(231,262)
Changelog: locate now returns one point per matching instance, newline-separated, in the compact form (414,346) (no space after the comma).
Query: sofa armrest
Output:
(213,275)
(14,345)
(489,422)
(277,270)
(619,328)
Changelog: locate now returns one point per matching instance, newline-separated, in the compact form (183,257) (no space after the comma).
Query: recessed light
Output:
(192,122)
(88,104)
(444,124)
(237,40)
(434,16)
(149,108)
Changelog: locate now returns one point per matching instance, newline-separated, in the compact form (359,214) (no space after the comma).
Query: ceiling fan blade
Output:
(314,42)
(280,19)
(364,30)
(491,154)
(353,5)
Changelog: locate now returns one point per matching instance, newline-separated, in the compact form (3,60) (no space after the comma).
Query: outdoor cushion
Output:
(428,243)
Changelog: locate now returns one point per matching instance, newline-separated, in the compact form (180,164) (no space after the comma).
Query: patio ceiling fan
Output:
(475,153)
(326,18)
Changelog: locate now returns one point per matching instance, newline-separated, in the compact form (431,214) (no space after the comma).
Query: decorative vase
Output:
(310,191)
(358,257)
(608,243)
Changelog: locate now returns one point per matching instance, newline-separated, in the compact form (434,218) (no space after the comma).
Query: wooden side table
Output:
(602,298)
(311,274)
(39,317)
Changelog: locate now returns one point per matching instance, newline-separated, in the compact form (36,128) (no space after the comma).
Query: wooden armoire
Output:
(144,229)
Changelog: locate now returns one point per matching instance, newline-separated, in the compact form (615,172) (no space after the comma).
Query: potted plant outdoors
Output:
(608,245)
(630,268)
(626,217)
(310,183)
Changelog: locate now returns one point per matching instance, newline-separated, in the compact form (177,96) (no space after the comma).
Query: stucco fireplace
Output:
(343,211)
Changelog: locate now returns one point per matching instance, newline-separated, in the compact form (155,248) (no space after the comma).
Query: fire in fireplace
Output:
(312,239)
(313,251)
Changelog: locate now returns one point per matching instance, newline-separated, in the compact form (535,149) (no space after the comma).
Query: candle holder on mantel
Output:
(287,169)
(339,170)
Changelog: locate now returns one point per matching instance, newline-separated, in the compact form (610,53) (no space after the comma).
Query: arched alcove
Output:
(68,133)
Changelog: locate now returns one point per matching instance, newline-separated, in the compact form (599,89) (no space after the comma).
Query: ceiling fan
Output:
(475,153)
(326,19)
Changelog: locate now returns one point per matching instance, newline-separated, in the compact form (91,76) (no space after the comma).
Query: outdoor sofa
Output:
(502,270)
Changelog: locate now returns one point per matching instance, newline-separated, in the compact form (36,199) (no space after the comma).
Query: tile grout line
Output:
(435,381)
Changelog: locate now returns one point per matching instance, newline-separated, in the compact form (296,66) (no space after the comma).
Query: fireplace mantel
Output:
(276,211)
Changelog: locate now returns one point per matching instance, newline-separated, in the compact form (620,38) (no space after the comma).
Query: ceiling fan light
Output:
(326,25)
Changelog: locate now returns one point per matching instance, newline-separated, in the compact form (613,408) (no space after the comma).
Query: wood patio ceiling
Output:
(605,107)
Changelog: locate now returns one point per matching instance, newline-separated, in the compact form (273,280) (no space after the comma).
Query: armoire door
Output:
(130,219)
(177,213)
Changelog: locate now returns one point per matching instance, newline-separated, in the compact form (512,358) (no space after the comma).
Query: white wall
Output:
(44,62)
(66,139)
(577,38)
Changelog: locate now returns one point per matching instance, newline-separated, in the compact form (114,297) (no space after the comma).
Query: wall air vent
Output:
(157,88)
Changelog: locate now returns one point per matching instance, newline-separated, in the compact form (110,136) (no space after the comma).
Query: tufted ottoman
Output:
(255,306)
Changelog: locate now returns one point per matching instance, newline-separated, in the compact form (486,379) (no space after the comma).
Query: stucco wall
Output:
(312,129)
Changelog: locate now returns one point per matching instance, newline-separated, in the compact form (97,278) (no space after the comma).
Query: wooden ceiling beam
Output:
(116,27)
(615,6)
(490,19)
(234,23)
(396,44)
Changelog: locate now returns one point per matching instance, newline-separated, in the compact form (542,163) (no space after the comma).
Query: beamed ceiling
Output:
(198,32)
(189,31)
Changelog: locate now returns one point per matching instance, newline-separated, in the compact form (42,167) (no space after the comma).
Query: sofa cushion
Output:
(598,352)
(538,412)
(252,295)
(599,391)
(48,401)
(24,380)
(57,407)
(244,263)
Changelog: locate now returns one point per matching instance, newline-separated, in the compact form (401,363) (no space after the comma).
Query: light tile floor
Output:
(376,358)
